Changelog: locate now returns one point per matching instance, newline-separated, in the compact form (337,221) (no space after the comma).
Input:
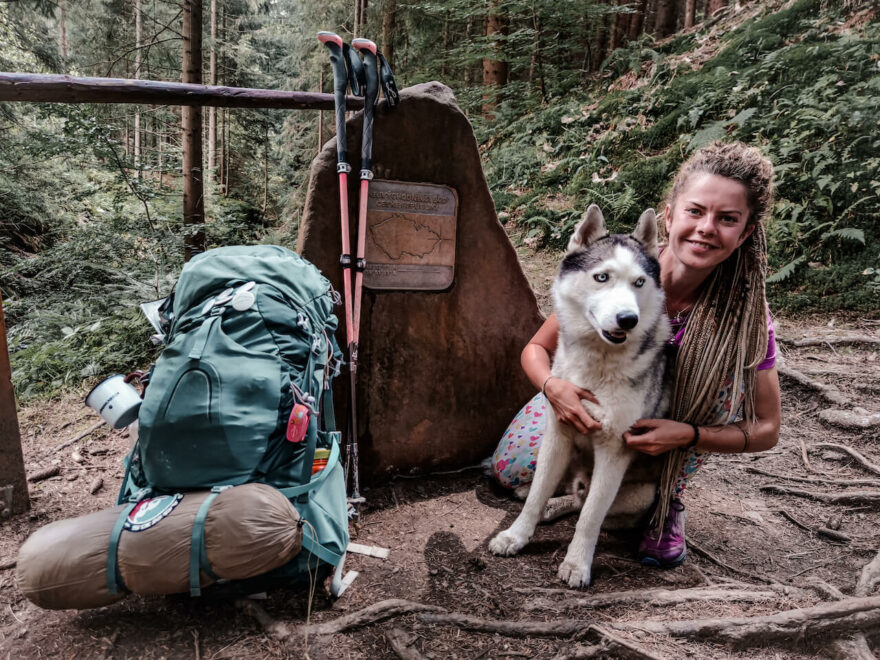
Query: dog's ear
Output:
(589,229)
(646,232)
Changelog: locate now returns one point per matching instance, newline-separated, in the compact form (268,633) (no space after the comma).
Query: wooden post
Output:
(193,184)
(11,459)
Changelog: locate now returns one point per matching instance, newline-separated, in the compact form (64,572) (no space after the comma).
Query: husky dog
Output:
(612,332)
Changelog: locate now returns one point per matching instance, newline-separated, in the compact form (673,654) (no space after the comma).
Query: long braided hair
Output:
(726,332)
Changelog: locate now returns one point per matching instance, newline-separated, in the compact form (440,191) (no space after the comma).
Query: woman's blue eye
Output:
(639,283)
(601,277)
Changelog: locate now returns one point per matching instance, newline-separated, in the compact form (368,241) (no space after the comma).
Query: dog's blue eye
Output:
(640,282)
(601,277)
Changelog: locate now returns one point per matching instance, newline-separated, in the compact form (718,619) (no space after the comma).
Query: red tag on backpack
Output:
(298,423)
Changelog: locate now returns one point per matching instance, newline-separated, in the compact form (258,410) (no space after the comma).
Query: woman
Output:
(713,267)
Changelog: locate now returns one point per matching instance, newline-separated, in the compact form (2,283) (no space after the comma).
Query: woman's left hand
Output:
(658,436)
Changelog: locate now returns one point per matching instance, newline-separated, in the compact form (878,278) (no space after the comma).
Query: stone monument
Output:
(446,308)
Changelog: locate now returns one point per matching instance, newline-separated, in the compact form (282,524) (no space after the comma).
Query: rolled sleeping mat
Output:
(248,530)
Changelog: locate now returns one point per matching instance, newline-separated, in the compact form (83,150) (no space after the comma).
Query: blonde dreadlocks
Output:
(726,333)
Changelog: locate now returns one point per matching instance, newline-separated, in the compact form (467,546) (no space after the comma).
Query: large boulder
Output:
(438,370)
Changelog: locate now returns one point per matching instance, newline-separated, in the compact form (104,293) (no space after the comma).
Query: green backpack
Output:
(251,336)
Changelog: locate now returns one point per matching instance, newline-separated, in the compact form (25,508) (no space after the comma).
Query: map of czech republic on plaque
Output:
(410,236)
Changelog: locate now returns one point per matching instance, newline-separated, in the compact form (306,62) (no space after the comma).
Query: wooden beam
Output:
(11,460)
(71,89)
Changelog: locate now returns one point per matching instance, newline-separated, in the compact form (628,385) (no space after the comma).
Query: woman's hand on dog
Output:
(658,436)
(565,398)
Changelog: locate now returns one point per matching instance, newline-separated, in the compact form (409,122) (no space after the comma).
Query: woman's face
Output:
(708,221)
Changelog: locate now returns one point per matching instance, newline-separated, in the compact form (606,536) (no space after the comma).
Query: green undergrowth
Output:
(801,82)
(72,307)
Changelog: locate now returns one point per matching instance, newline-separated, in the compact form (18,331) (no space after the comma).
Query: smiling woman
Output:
(724,385)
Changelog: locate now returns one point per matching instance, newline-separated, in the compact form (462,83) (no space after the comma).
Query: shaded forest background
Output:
(573,102)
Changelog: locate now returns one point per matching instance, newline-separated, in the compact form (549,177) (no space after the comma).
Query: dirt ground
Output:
(437,529)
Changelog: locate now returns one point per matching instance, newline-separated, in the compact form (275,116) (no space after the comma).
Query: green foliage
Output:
(791,81)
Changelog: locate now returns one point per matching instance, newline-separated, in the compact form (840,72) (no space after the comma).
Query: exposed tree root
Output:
(841,618)
(610,645)
(401,643)
(827,392)
(861,459)
(821,531)
(805,456)
(869,577)
(853,497)
(831,341)
(816,480)
(850,419)
(385,609)
(273,628)
(708,555)
(64,445)
(852,649)
(742,593)
(857,647)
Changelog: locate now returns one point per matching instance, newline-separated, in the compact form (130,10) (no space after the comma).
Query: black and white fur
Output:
(612,331)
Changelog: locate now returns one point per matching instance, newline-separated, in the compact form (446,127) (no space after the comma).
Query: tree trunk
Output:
(599,45)
(62,24)
(637,20)
(212,80)
(226,155)
(715,5)
(664,23)
(537,58)
(494,70)
(690,11)
(444,47)
(389,16)
(266,169)
(360,16)
(11,457)
(320,114)
(138,43)
(193,189)
(468,78)
(620,29)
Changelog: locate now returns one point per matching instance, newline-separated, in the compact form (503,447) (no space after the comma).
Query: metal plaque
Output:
(410,236)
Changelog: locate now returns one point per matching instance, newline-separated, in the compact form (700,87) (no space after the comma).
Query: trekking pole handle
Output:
(371,72)
(340,84)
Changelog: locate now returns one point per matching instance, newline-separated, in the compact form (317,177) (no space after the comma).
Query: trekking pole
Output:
(347,71)
(340,84)
(371,75)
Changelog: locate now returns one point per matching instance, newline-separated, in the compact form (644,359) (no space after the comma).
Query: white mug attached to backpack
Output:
(116,401)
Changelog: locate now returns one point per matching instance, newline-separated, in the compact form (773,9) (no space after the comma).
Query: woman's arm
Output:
(657,436)
(564,397)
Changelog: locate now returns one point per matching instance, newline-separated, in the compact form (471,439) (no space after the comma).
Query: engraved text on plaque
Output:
(410,236)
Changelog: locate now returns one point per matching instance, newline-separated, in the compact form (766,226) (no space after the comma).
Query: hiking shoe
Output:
(668,549)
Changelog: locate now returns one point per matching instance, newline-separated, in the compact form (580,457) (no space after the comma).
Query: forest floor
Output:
(754,551)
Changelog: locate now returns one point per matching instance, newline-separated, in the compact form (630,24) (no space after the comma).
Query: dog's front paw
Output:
(574,574)
(507,543)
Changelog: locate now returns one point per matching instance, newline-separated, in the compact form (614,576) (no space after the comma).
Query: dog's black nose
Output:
(627,321)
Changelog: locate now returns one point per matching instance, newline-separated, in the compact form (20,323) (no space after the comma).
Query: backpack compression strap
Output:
(198,554)
(115,584)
